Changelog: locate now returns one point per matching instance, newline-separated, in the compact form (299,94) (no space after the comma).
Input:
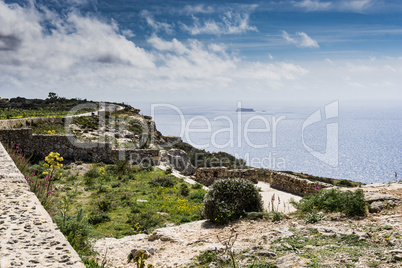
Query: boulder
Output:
(371,197)
(179,160)
(377,206)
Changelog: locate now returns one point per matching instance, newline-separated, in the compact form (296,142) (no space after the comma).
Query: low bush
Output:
(197,195)
(231,199)
(197,186)
(144,221)
(162,182)
(77,231)
(334,200)
(184,190)
(96,218)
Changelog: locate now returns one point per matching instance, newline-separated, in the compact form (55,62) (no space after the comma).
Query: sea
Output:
(354,140)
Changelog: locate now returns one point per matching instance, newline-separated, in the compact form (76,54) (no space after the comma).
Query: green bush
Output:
(197,186)
(144,221)
(96,218)
(276,215)
(104,204)
(334,200)
(162,182)
(184,190)
(197,195)
(77,231)
(231,199)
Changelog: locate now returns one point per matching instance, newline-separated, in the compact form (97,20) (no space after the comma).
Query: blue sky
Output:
(201,50)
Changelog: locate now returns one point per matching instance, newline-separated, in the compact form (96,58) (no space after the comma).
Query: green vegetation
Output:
(231,199)
(53,106)
(202,158)
(82,205)
(334,200)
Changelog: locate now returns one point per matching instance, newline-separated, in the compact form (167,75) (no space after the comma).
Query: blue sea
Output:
(359,141)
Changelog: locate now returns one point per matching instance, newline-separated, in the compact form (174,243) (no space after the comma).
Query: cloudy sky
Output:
(145,51)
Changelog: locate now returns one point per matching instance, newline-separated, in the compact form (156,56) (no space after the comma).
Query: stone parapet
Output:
(28,236)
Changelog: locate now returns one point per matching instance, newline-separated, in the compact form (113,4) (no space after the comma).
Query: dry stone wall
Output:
(28,237)
(295,185)
(277,180)
(70,148)
(26,122)
(208,176)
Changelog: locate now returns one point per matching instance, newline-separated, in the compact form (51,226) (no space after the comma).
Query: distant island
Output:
(242,110)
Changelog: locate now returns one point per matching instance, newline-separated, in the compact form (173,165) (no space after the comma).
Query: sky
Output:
(157,51)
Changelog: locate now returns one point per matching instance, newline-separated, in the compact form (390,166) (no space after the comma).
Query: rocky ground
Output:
(337,241)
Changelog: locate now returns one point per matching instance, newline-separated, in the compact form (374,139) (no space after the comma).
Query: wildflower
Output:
(27,179)
(38,185)
(317,187)
(49,192)
(46,185)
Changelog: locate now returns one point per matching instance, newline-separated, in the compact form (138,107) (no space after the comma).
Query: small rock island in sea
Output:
(242,110)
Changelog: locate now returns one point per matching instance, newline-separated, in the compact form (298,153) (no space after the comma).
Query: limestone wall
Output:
(207,176)
(28,236)
(278,180)
(26,122)
(70,148)
(295,185)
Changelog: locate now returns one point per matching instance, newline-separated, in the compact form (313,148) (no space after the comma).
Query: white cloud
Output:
(313,5)
(356,5)
(88,58)
(172,46)
(155,25)
(196,9)
(301,40)
(231,23)
(342,5)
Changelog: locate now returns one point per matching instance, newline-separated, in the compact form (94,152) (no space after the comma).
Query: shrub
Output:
(184,190)
(96,218)
(230,199)
(162,182)
(77,231)
(197,195)
(103,204)
(144,221)
(334,200)
(197,186)
(313,217)
(276,215)
(168,171)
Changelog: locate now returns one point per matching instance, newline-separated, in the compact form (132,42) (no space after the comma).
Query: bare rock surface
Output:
(28,237)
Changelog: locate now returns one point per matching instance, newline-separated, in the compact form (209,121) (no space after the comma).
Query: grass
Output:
(124,199)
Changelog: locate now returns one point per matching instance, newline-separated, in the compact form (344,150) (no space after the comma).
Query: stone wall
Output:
(295,185)
(70,148)
(277,180)
(28,236)
(207,176)
(26,122)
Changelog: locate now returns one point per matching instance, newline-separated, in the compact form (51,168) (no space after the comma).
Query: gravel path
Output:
(28,237)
